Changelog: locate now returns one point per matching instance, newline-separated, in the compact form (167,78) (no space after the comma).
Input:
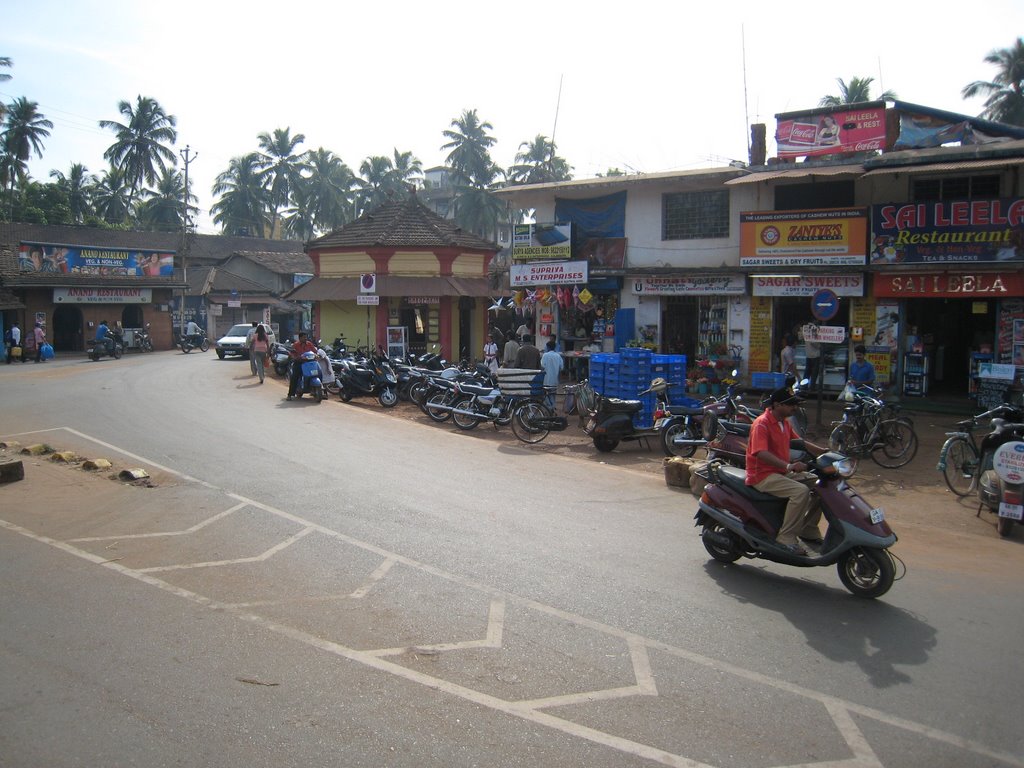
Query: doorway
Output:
(66,334)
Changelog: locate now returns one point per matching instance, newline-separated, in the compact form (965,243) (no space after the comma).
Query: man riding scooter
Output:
(302,345)
(770,471)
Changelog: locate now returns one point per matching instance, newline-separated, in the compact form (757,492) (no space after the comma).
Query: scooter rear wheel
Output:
(605,444)
(867,573)
(715,549)
(1004,525)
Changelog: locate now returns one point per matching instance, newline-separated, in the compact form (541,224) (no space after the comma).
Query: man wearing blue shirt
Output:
(862,373)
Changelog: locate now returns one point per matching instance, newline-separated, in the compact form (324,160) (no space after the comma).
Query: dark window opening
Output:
(695,215)
(821,194)
(956,188)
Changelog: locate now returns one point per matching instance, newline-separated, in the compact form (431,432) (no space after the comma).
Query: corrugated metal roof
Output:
(799,173)
(961,165)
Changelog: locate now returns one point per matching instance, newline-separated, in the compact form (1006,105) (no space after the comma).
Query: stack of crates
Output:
(626,374)
(635,376)
(672,368)
(767,381)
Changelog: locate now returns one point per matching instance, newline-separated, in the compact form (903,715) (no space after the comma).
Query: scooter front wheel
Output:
(867,573)
(388,397)
(605,444)
(713,536)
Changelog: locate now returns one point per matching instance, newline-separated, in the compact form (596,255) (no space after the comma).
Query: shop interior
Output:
(949,331)
(794,312)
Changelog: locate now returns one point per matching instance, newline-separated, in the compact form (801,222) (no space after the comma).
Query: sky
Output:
(642,86)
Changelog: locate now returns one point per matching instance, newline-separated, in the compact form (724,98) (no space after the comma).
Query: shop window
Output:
(695,215)
(956,188)
(819,194)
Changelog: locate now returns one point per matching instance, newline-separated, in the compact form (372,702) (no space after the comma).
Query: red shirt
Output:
(767,434)
(299,347)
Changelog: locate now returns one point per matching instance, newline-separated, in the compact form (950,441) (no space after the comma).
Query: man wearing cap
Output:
(770,471)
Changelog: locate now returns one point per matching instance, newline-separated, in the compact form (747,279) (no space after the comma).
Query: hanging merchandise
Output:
(518,297)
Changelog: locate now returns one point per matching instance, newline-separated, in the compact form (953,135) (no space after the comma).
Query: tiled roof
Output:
(280,263)
(401,224)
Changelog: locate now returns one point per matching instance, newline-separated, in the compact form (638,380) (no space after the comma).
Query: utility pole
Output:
(188,156)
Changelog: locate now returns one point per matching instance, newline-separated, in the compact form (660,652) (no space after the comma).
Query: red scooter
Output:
(737,521)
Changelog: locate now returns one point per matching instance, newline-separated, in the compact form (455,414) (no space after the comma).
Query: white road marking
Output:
(376,576)
(236,561)
(186,531)
(495,625)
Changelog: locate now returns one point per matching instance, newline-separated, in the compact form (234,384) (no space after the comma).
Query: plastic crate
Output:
(767,380)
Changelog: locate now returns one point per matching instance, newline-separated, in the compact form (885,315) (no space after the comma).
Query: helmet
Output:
(659,385)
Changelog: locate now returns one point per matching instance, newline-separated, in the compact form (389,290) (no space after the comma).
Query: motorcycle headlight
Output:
(843,467)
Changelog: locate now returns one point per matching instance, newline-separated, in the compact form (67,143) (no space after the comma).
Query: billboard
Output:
(825,237)
(541,241)
(722,285)
(830,133)
(948,231)
(557,273)
(82,260)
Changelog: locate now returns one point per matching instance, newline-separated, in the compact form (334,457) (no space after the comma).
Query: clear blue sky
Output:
(646,86)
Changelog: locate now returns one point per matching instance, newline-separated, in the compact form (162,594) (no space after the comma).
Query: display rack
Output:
(915,374)
(977,358)
(713,326)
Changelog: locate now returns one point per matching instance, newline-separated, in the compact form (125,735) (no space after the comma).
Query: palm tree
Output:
(1005,92)
(298,219)
(77,186)
(111,196)
(854,92)
(538,164)
(245,199)
(141,147)
(161,209)
(476,209)
(407,171)
(281,167)
(24,131)
(5,61)
(377,183)
(330,183)
(470,145)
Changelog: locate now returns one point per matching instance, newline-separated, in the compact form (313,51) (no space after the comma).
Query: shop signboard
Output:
(81,260)
(548,273)
(948,231)
(949,285)
(831,132)
(703,285)
(825,238)
(102,295)
(807,285)
(531,242)
(825,334)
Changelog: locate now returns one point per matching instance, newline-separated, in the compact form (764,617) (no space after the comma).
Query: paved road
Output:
(327,585)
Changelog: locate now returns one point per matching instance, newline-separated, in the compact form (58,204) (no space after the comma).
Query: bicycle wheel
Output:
(898,444)
(844,440)
(961,465)
(524,424)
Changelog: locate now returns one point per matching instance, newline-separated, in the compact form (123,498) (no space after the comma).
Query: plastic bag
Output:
(847,393)
(46,351)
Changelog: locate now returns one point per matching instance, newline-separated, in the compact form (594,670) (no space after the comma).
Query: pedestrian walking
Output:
(258,351)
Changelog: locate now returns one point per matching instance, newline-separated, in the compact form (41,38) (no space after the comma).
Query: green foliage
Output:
(1005,92)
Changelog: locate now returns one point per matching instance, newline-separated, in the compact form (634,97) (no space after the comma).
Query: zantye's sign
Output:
(826,237)
(102,295)
(550,273)
(732,285)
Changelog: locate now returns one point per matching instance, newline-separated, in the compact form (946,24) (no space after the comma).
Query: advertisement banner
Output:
(807,285)
(828,237)
(860,130)
(983,285)
(948,231)
(732,285)
(534,242)
(78,260)
(557,273)
(102,295)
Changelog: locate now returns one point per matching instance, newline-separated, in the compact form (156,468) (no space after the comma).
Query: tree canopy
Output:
(1005,92)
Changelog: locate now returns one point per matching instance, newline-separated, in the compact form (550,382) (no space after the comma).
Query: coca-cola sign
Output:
(830,133)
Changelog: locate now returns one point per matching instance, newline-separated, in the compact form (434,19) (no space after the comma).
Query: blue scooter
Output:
(311,381)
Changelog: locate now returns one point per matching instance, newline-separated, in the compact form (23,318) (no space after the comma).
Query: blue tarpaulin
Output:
(593,216)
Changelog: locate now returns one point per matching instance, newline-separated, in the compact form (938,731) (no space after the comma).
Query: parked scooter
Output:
(739,521)
(280,358)
(1001,485)
(682,426)
(611,419)
(372,377)
(113,346)
(310,382)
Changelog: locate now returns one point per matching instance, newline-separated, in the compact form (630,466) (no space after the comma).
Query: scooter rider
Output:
(770,471)
(194,333)
(103,335)
(301,346)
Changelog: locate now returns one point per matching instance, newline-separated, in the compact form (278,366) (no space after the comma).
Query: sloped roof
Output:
(279,263)
(401,224)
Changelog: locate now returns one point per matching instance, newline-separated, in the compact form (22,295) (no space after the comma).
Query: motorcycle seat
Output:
(685,410)
(737,480)
(737,428)
(615,405)
(475,389)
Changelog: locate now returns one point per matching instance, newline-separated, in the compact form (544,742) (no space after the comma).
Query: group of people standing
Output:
(19,345)
(862,372)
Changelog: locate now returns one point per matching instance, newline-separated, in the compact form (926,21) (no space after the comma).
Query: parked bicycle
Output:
(867,430)
(960,456)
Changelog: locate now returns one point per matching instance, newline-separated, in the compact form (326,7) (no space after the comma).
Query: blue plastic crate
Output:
(767,380)
(635,352)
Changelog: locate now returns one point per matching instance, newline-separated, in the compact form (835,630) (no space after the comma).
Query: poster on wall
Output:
(79,260)
(760,335)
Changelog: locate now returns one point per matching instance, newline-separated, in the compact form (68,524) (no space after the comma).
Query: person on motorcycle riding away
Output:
(302,345)
(194,333)
(770,471)
(103,334)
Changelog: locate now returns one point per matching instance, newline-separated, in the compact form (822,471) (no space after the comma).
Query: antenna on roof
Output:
(746,106)
(558,105)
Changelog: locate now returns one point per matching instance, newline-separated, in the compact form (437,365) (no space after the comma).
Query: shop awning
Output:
(347,288)
(960,165)
(799,173)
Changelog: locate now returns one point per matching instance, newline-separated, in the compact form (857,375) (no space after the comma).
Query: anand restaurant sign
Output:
(102,295)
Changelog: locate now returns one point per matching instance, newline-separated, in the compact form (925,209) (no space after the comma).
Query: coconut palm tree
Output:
(111,196)
(376,185)
(298,219)
(538,163)
(281,166)
(24,130)
(141,149)
(406,171)
(161,209)
(1005,92)
(470,145)
(77,185)
(329,183)
(5,61)
(854,92)
(476,209)
(244,197)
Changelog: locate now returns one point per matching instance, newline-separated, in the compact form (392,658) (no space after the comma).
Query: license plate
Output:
(1012,511)
(660,423)
(877,515)
(591,424)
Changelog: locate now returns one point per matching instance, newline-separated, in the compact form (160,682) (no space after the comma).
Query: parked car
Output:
(233,342)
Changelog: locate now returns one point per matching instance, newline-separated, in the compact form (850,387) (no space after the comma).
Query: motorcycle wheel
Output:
(418,392)
(721,554)
(280,370)
(185,348)
(1004,526)
(844,440)
(333,388)
(523,422)
(117,352)
(899,444)
(867,573)
(674,430)
(318,394)
(605,444)
(440,398)
(345,395)
(388,397)
(205,346)
(462,421)
(147,346)
(93,355)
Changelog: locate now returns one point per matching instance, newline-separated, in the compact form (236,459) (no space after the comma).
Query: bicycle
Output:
(533,420)
(890,442)
(960,456)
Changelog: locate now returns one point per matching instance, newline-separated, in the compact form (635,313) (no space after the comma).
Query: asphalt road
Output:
(329,585)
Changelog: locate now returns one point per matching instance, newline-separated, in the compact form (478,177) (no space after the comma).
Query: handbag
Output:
(46,351)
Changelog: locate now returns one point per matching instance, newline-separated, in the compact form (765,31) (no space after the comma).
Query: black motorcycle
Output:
(194,341)
(112,346)
(371,377)
(144,340)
